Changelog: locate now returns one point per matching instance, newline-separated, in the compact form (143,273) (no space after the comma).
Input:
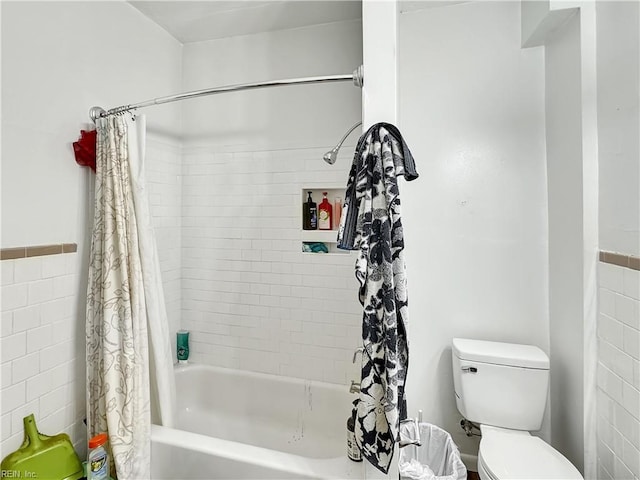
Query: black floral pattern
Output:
(372,225)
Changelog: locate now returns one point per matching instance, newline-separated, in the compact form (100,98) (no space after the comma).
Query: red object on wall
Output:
(85,149)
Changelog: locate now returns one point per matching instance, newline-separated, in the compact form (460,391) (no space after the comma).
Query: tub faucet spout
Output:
(355,387)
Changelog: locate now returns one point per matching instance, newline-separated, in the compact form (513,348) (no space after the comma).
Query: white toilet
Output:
(503,387)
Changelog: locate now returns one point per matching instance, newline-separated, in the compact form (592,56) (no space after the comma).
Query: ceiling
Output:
(196,21)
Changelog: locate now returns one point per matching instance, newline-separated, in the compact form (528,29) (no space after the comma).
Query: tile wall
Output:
(42,357)
(163,168)
(251,299)
(43,329)
(618,393)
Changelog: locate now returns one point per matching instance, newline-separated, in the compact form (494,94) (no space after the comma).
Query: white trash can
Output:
(437,458)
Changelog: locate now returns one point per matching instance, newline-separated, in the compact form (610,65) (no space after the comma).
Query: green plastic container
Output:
(43,457)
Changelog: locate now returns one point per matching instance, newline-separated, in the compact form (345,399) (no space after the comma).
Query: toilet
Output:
(503,387)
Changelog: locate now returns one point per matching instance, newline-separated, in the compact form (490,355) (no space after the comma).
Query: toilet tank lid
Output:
(498,353)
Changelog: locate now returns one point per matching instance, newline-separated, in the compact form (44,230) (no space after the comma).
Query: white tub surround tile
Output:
(618,381)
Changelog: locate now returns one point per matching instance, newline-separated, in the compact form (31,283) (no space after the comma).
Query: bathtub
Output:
(241,425)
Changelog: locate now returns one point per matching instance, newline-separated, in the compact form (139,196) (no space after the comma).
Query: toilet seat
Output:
(513,454)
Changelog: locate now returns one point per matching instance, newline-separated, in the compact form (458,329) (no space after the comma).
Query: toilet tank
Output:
(500,384)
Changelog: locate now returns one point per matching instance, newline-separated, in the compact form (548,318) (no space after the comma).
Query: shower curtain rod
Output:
(356,77)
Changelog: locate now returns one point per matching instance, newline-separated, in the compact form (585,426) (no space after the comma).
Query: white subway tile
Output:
(13,397)
(317,316)
(54,400)
(269,301)
(38,385)
(55,355)
(62,330)
(280,290)
(40,291)
(291,325)
(610,329)
(631,400)
(25,367)
(72,263)
(631,342)
(58,309)
(54,266)
(616,441)
(281,267)
(65,372)
(56,421)
(6,272)
(13,346)
(603,474)
(611,276)
(245,224)
(17,416)
(631,282)
(631,458)
(26,318)
(626,424)
(620,470)
(6,327)
(13,296)
(11,444)
(5,375)
(302,292)
(65,286)
(279,313)
(605,407)
(28,270)
(5,431)
(616,360)
(39,338)
(628,311)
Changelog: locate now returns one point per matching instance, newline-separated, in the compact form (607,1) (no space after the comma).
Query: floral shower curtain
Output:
(129,361)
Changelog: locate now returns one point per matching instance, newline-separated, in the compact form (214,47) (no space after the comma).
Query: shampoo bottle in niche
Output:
(337,212)
(324,213)
(182,346)
(353,452)
(309,214)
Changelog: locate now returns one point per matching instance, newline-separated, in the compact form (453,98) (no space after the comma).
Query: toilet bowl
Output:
(512,454)
(503,387)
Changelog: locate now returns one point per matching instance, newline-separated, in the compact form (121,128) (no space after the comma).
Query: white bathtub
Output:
(241,425)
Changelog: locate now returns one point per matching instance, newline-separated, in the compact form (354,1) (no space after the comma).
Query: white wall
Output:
(567,32)
(618,25)
(251,299)
(59,59)
(471,107)
(282,117)
(618,55)
(563,107)
(380,46)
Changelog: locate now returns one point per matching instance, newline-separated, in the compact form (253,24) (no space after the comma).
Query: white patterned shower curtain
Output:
(129,360)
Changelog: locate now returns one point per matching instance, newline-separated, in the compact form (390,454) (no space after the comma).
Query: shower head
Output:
(332,155)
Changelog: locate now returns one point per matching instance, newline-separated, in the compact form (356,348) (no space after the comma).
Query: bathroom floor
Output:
(473,476)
